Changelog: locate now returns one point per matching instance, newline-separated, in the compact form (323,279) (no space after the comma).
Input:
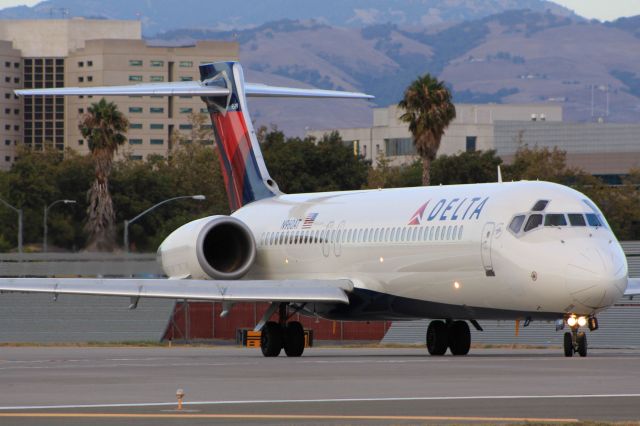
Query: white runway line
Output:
(337,400)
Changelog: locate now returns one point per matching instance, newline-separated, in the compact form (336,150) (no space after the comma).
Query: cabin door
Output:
(485,248)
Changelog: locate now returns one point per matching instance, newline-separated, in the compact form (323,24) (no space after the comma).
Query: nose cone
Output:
(597,276)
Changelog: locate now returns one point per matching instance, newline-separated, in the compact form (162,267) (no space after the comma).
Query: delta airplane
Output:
(456,254)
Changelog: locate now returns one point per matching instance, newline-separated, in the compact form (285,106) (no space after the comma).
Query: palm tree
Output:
(428,109)
(103,126)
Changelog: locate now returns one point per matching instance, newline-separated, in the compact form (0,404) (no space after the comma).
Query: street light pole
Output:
(130,221)
(19,211)
(46,212)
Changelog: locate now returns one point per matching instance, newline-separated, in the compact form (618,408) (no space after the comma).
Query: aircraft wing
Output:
(329,291)
(633,287)
(190,88)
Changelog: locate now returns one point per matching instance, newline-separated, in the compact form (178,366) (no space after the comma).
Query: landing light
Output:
(456,285)
(582,321)
(572,321)
(381,259)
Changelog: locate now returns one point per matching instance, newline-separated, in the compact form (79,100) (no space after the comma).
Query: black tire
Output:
(271,339)
(294,339)
(437,338)
(459,338)
(581,341)
(568,344)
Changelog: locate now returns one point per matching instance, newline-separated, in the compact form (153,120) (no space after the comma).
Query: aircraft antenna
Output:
(499,174)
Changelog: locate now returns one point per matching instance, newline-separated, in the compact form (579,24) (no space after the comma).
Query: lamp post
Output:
(130,221)
(46,212)
(19,211)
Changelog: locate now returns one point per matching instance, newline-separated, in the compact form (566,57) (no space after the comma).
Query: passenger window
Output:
(460,232)
(437,233)
(454,234)
(555,220)
(404,234)
(431,233)
(533,222)
(516,223)
(414,234)
(366,235)
(593,220)
(577,219)
(540,205)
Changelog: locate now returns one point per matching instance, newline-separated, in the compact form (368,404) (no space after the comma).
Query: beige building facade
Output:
(472,130)
(79,52)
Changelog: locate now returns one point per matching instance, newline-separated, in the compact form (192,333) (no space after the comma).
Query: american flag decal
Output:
(308,221)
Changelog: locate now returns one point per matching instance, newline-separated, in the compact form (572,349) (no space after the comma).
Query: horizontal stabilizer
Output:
(325,291)
(633,287)
(190,88)
(178,88)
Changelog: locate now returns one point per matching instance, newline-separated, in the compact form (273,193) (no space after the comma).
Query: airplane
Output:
(455,254)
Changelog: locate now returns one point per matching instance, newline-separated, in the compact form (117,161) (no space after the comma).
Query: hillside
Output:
(163,15)
(512,57)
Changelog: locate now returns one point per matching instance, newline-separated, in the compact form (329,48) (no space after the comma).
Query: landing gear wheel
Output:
(437,338)
(459,338)
(294,339)
(581,342)
(271,339)
(568,344)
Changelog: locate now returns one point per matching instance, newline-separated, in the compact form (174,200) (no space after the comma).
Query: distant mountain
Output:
(512,57)
(163,15)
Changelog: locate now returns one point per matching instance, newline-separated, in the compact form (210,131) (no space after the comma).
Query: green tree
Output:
(310,165)
(465,167)
(428,108)
(104,127)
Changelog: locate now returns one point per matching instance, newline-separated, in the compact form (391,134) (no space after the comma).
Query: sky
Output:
(604,10)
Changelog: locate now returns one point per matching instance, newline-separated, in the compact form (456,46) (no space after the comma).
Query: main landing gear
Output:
(454,335)
(282,335)
(575,341)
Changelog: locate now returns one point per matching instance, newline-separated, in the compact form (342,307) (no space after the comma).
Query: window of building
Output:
(135,62)
(90,78)
(471,143)
(80,110)
(7,158)
(7,64)
(157,141)
(135,141)
(80,64)
(135,78)
(7,79)
(156,110)
(89,63)
(204,110)
(7,142)
(135,109)
(156,126)
(157,78)
(186,110)
(157,63)
(16,64)
(185,127)
(80,142)
(136,157)
(399,146)
(186,64)
(135,126)
(186,78)
(7,110)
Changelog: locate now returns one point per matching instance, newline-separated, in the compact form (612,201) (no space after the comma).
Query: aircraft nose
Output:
(597,276)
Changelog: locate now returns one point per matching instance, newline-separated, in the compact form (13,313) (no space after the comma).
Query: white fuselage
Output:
(455,250)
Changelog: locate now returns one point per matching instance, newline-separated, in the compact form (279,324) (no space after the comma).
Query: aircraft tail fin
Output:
(224,91)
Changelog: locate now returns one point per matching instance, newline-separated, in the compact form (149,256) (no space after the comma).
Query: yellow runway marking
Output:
(282,417)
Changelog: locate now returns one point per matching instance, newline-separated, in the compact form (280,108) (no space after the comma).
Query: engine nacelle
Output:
(218,247)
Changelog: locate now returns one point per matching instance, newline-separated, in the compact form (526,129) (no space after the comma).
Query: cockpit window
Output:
(539,205)
(555,219)
(577,219)
(534,221)
(516,223)
(593,219)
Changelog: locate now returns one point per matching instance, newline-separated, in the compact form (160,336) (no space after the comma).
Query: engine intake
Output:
(218,247)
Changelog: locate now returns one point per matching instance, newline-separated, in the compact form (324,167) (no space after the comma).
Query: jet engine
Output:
(218,247)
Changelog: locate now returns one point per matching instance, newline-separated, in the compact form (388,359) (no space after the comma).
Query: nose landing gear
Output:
(575,341)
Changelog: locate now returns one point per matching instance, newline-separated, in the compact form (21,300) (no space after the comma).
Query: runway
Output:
(81,385)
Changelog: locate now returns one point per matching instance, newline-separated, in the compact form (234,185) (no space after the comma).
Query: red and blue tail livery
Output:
(245,174)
